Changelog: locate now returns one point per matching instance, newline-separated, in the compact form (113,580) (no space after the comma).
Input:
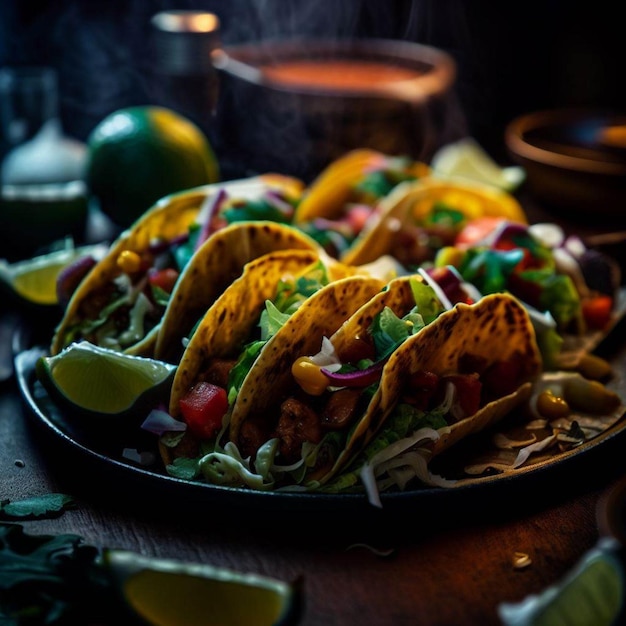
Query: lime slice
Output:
(593,593)
(89,379)
(34,280)
(167,592)
(466,159)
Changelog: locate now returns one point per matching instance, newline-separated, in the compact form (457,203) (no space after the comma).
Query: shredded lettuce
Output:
(272,320)
(238,373)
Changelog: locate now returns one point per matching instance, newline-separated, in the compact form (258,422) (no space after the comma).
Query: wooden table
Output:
(450,569)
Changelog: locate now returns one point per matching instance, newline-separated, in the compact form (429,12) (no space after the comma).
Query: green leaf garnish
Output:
(49,504)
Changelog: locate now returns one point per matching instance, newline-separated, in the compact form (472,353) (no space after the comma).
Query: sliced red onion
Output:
(141,458)
(359,378)
(209,209)
(506,229)
(158,246)
(160,421)
(71,276)
(277,201)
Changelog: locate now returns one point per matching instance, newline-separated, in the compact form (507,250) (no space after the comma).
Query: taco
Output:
(120,302)
(212,268)
(276,296)
(458,376)
(418,218)
(347,194)
(310,405)
(572,291)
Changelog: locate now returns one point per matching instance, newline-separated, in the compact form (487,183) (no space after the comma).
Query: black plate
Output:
(104,471)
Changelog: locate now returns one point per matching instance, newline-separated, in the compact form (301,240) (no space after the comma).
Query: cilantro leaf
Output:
(36,507)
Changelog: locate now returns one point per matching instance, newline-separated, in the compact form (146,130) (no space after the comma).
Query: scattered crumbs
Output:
(19,463)
(521,560)
(377,551)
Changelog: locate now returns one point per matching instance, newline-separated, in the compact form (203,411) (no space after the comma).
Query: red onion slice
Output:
(210,208)
(358,378)
(71,276)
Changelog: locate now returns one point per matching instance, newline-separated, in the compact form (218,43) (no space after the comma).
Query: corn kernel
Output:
(309,376)
(552,406)
(128,261)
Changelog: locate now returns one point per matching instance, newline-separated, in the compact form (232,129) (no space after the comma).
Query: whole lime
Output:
(139,154)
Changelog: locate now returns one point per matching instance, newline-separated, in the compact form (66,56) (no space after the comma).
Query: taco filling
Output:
(121,301)
(460,375)
(229,340)
(338,204)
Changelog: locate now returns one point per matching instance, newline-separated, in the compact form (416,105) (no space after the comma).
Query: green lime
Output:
(139,154)
(166,592)
(593,593)
(466,160)
(91,380)
(34,281)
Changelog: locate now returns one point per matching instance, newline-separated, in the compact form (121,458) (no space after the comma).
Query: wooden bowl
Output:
(574,159)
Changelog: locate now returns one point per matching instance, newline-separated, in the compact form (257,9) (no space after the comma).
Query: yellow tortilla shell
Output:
(169,218)
(328,194)
(320,316)
(497,328)
(213,267)
(412,202)
(229,322)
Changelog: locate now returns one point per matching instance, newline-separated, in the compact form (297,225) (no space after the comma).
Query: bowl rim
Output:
(515,133)
(440,74)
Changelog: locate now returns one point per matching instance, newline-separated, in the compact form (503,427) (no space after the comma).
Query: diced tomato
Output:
(597,311)
(203,409)
(476,230)
(357,216)
(165,279)
(526,290)
(468,392)
(420,389)
(501,379)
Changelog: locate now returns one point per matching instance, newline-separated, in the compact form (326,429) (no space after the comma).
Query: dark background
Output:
(512,57)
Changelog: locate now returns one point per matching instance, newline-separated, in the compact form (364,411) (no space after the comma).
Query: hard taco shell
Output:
(212,269)
(320,316)
(167,220)
(230,320)
(411,202)
(497,328)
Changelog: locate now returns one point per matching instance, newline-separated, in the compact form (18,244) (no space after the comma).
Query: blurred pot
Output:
(295,106)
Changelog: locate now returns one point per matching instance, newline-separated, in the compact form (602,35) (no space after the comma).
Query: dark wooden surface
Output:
(450,571)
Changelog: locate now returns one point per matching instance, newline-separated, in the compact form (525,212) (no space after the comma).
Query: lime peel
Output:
(88,378)
(466,160)
(34,280)
(167,591)
(592,593)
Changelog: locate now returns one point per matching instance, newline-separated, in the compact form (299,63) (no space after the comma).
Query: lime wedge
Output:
(167,592)
(593,593)
(89,379)
(466,160)
(33,281)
